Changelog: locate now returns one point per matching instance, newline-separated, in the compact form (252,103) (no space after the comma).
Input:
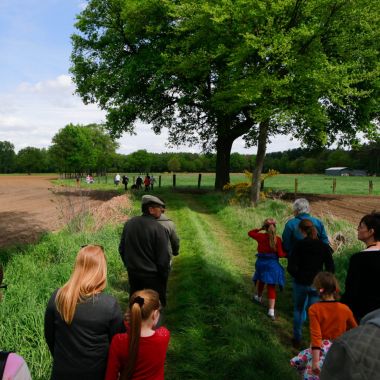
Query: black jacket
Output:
(308,258)
(362,283)
(80,349)
(144,246)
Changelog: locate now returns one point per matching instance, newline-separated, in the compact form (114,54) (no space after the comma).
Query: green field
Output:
(217,333)
(316,184)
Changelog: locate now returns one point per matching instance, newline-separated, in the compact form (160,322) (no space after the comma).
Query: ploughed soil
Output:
(32,205)
(349,207)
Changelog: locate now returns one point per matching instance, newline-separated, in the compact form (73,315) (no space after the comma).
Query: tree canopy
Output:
(7,157)
(212,71)
(82,148)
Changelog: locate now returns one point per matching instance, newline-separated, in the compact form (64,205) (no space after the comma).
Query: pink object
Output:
(16,368)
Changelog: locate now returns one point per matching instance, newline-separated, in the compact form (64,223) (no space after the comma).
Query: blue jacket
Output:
(291,232)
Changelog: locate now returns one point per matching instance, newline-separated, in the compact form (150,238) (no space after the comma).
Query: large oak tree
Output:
(212,71)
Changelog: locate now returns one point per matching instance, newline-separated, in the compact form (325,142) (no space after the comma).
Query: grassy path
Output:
(217,333)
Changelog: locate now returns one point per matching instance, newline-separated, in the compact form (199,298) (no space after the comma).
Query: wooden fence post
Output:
(295,186)
(133,180)
(262,185)
(199,180)
(159,181)
(174,180)
(370,187)
(334,185)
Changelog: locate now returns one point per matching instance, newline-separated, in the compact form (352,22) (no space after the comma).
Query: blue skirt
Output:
(269,270)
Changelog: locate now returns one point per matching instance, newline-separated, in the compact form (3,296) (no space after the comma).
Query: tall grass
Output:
(217,333)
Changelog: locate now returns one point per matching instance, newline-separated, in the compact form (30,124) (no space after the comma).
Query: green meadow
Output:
(312,183)
(216,331)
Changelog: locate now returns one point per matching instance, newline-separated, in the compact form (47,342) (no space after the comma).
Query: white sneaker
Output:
(271,314)
(257,299)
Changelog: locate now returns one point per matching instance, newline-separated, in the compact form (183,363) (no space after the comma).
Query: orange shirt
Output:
(329,320)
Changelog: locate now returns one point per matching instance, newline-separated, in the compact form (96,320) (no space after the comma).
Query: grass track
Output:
(217,333)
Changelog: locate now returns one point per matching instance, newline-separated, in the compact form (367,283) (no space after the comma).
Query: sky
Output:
(37,96)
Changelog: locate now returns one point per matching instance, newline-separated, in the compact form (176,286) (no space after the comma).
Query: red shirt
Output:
(263,243)
(150,359)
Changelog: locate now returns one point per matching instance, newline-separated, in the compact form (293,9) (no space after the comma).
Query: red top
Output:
(150,359)
(263,242)
(329,320)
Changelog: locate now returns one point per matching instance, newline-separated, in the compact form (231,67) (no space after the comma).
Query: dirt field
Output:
(30,205)
(351,208)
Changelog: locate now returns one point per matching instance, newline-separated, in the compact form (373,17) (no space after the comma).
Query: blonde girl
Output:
(140,353)
(268,270)
(80,320)
(328,320)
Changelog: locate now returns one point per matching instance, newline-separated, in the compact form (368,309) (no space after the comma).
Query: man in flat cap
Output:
(144,249)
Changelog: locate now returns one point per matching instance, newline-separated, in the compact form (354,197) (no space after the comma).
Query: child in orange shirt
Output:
(268,270)
(328,320)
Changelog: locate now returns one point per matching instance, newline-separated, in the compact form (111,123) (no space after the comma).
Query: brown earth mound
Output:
(30,206)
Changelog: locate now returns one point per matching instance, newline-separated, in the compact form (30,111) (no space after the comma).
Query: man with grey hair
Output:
(301,210)
(144,249)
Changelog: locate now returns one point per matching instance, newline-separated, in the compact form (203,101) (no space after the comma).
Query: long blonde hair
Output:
(141,306)
(88,278)
(270,227)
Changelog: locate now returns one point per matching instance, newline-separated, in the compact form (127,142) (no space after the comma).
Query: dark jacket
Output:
(308,258)
(362,283)
(80,349)
(144,246)
(355,355)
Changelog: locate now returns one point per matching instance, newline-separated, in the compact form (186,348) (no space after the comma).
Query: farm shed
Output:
(358,173)
(338,171)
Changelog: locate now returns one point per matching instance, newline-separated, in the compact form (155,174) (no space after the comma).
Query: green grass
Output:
(313,183)
(322,184)
(217,333)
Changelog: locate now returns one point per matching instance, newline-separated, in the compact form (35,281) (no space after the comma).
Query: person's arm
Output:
(322,235)
(287,238)
(174,240)
(122,244)
(49,330)
(328,259)
(351,322)
(162,253)
(280,251)
(114,360)
(255,234)
(116,322)
(293,260)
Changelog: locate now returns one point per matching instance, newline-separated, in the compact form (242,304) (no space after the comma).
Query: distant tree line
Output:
(89,149)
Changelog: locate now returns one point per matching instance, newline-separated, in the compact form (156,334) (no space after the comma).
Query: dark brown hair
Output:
(307,226)
(326,284)
(372,221)
(141,306)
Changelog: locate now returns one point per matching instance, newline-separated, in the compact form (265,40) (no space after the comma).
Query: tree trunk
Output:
(261,149)
(223,154)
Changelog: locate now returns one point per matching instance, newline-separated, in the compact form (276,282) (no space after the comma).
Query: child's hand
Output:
(315,369)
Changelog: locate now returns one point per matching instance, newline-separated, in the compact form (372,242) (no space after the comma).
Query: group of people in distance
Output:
(148,182)
(315,291)
(85,330)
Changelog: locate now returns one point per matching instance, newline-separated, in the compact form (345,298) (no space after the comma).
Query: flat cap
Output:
(151,199)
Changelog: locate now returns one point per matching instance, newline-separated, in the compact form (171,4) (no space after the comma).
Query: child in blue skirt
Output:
(268,270)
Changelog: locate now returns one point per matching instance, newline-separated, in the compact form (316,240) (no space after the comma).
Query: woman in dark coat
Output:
(80,320)
(362,293)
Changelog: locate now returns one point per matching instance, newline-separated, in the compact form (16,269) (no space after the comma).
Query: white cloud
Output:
(32,113)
